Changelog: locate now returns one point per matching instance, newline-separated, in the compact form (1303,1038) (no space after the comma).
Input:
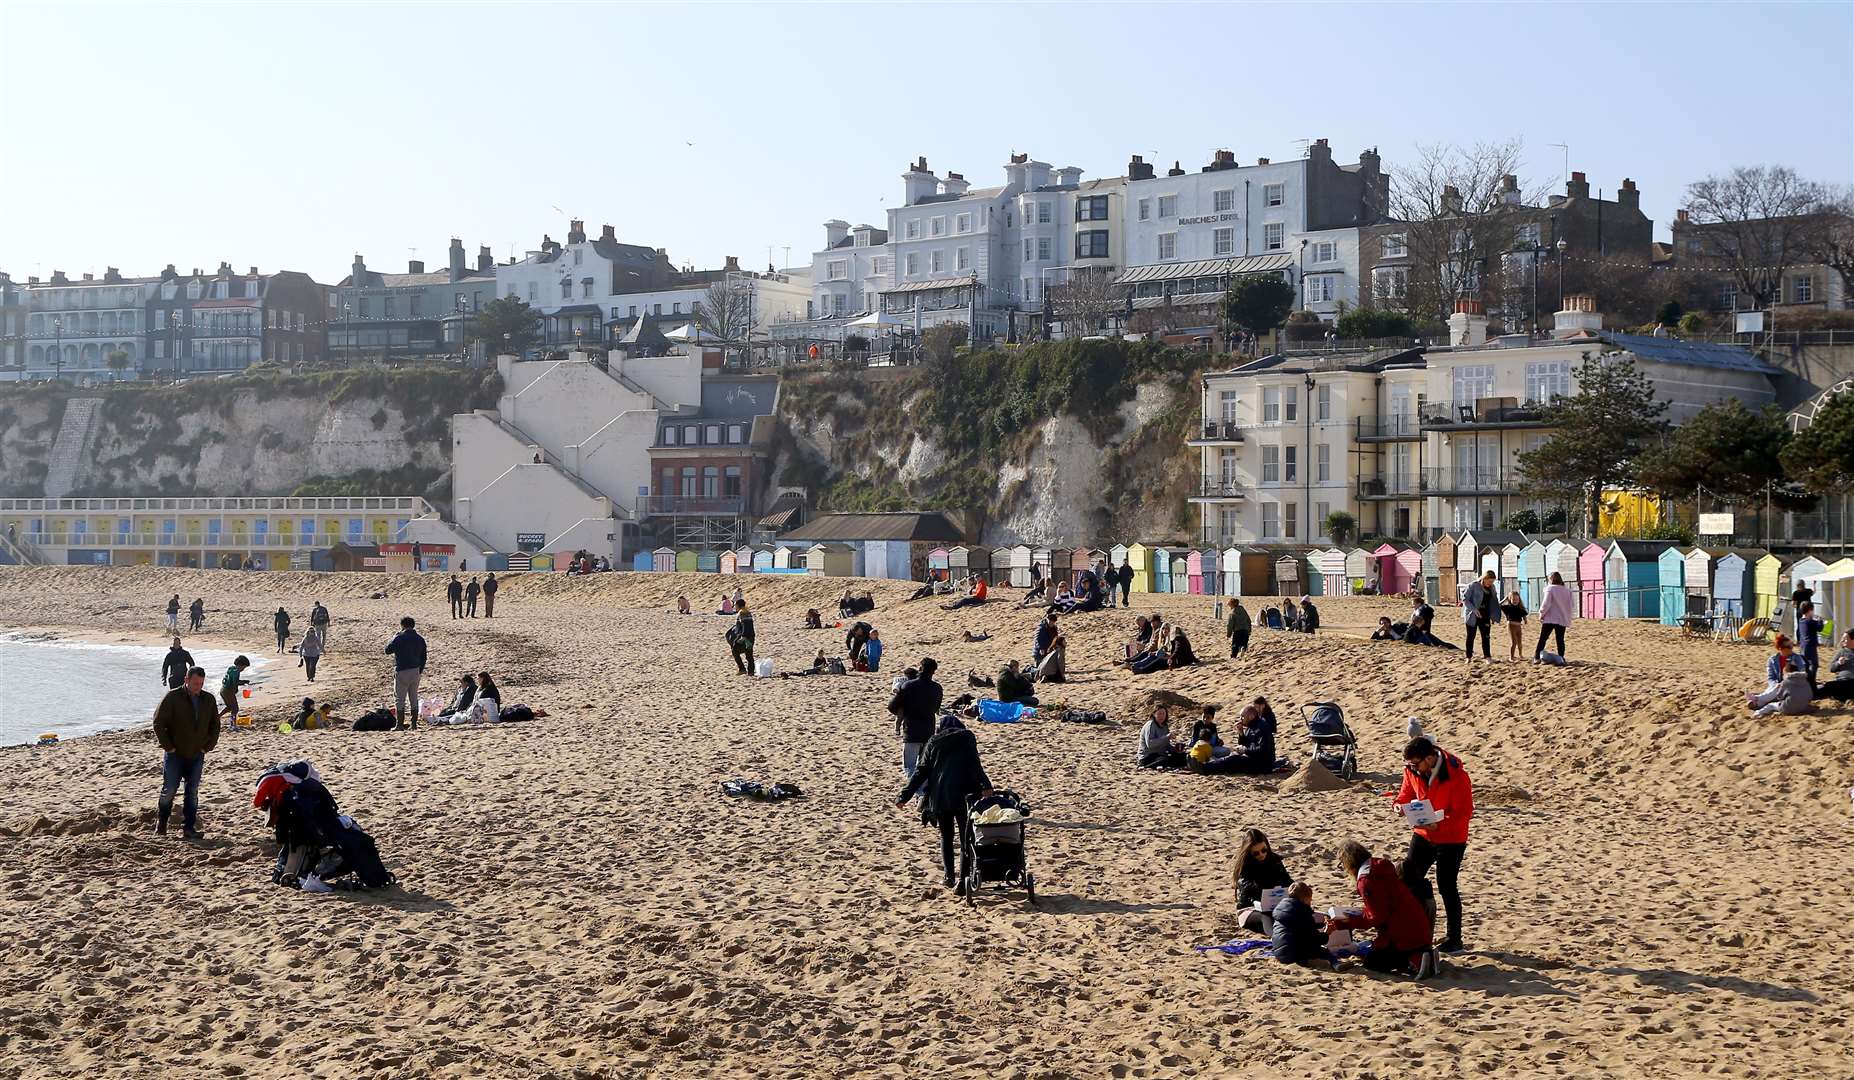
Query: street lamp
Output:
(347,318)
(57,347)
(173,322)
(1561,245)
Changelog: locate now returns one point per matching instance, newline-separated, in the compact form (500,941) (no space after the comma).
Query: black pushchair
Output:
(995,850)
(1334,745)
(314,839)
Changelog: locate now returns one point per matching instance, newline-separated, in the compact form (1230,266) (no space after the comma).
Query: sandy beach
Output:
(1655,882)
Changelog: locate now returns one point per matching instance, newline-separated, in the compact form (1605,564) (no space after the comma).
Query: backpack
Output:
(834,667)
(361,857)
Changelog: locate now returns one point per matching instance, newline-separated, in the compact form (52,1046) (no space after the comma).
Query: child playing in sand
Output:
(1296,934)
(682,606)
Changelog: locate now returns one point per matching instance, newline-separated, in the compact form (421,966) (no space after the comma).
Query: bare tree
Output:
(1760,221)
(1462,209)
(1087,300)
(725,312)
(1837,237)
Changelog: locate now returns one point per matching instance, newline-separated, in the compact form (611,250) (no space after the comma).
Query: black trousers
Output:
(470,608)
(952,830)
(1485,629)
(1544,630)
(457,607)
(1126,590)
(1239,642)
(309,663)
(1836,689)
(1446,858)
(743,659)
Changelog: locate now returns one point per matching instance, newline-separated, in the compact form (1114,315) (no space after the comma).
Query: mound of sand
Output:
(1313,776)
(1152,699)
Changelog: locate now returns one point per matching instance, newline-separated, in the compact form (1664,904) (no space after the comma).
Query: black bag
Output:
(834,666)
(733,635)
(377,720)
(360,857)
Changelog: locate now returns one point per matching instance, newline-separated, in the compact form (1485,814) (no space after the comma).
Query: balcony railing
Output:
(1217,487)
(1470,481)
(1456,416)
(695,504)
(281,540)
(1212,431)
(1408,485)
(410,504)
(1395,426)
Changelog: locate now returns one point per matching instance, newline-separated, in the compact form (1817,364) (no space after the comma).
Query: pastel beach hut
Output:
(1313,579)
(783,556)
(1229,567)
(1508,568)
(1288,571)
(1431,570)
(1019,562)
(1632,579)
(708,562)
(831,560)
(1117,555)
(1358,571)
(1333,573)
(762,560)
(1672,578)
(1040,558)
(1448,554)
(1141,560)
(686,562)
(1592,594)
(663,560)
(743,560)
(643,562)
(729,562)
(963,560)
(1532,573)
(1161,569)
(937,559)
(1802,571)
(1085,559)
(1700,565)
(1400,566)
(1181,572)
(1767,584)
(1734,585)
(1194,573)
(1561,559)
(1258,571)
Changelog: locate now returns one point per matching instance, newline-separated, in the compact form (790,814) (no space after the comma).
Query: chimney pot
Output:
(415,266)
(1681,216)
(1175,170)
(1577,178)
(733,261)
(1261,161)
(607,232)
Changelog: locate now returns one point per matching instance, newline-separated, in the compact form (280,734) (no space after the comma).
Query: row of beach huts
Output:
(1615,579)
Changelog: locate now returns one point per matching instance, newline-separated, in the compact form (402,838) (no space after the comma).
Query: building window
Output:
(1290,460)
(730,482)
(1273,194)
(1472,382)
(879,264)
(1290,404)
(1526,236)
(1274,236)
(1290,518)
(1395,246)
(913,263)
(688,481)
(962,223)
(1042,249)
(669,436)
(1229,467)
(1548,380)
(962,258)
(1029,250)
(656,309)
(937,226)
(1323,463)
(585,290)
(1091,244)
(1043,214)
(1168,246)
(1320,288)
(836,271)
(1091,208)
(1223,200)
(1802,289)
(1390,282)
(1029,290)
(936,261)
(1728,297)
(736,433)
(1325,251)
(633,312)
(691,435)
(1323,402)
(1271,520)
(392,306)
(675,309)
(1271,464)
(566,288)
(1145,209)
(1271,404)
(1226,401)
(913,229)
(1321,511)
(1223,242)
(578,256)
(1168,206)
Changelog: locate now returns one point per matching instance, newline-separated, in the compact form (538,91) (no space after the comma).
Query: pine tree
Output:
(1601,433)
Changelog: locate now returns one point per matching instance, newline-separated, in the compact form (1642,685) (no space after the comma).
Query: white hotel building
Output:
(1411,442)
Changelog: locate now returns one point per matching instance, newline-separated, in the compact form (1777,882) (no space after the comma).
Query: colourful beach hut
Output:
(1161,569)
(743,560)
(1229,567)
(1431,570)
(1288,576)
(1258,571)
(1467,562)
(762,560)
(1400,566)
(1021,557)
(1040,558)
(729,562)
(685,562)
(708,562)
(1117,555)
(783,557)
(1531,573)
(963,560)
(1194,573)
(1333,581)
(1561,559)
(1181,572)
(1358,571)
(1700,564)
(1141,560)
(1734,585)
(1508,568)
(1592,594)
(1672,578)
(1448,552)
(831,560)
(1086,559)
(1313,579)
(1767,585)
(663,560)
(643,562)
(937,562)
(1632,578)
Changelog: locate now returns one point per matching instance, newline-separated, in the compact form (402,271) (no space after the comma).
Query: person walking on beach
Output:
(1237,628)
(186,725)
(196,615)
(949,773)
(740,639)
(281,621)
(229,686)
(175,665)
(915,705)
(455,591)
(318,620)
(1126,583)
(489,595)
(1555,613)
(173,614)
(310,651)
(1480,609)
(408,652)
(473,591)
(1434,774)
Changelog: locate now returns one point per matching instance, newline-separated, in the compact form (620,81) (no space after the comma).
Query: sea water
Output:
(82,688)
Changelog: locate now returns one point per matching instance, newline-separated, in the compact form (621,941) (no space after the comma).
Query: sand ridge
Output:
(1653,880)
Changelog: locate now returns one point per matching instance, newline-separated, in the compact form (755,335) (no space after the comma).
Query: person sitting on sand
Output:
(1402,927)
(1389,631)
(1064,602)
(819,665)
(1258,869)
(1290,616)
(1841,687)
(926,590)
(486,688)
(976,594)
(1782,660)
(1014,686)
(466,694)
(814,619)
(1142,638)
(1045,637)
(682,606)
(1265,712)
(1792,696)
(1054,667)
(948,775)
(1157,748)
(1173,652)
(1297,936)
(1255,745)
(726,606)
(305,714)
(1205,730)
(1309,616)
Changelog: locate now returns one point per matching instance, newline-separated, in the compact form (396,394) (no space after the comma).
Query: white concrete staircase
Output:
(71,447)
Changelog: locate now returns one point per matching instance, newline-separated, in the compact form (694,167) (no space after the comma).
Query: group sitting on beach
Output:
(1253,752)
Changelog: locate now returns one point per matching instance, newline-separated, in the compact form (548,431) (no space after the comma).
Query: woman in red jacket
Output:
(1402,925)
(1432,773)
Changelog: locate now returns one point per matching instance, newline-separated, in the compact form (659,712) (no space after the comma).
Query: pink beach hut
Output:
(1590,587)
(1398,567)
(1194,573)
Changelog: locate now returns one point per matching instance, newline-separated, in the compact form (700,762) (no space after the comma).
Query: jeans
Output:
(952,831)
(1446,858)
(173,622)
(1485,629)
(176,769)
(911,756)
(1547,629)
(457,607)
(489,605)
(309,663)
(1126,590)
(283,641)
(405,694)
(470,608)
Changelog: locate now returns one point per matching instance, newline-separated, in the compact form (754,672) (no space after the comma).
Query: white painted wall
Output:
(538,498)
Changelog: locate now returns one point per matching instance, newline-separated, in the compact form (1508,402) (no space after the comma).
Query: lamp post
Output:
(1306,464)
(57,347)
(1538,252)
(1561,245)
(347,319)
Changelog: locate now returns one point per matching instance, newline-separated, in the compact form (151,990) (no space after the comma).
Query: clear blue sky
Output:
(291,136)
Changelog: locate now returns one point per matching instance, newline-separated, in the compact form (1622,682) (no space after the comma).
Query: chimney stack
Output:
(1627,195)
(608,234)
(415,266)
(58,278)
(1137,169)
(1319,150)
(954,184)
(1175,170)
(1451,199)
(358,271)
(1468,326)
(732,263)
(89,276)
(576,231)
(168,273)
(1261,161)
(1577,187)
(1681,217)
(484,260)
(112,274)
(458,266)
(254,272)
(1509,189)
(1222,159)
(835,231)
(1579,318)
(918,182)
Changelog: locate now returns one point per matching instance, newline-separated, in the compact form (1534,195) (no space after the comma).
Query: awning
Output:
(1255,264)
(937,283)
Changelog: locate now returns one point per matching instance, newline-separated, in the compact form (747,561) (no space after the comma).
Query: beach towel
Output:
(998,712)
(753,789)
(1239,946)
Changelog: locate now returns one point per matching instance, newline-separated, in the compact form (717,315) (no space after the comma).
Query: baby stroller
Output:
(1334,745)
(995,850)
(315,841)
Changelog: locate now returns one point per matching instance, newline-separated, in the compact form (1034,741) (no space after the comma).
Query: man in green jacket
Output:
(186,724)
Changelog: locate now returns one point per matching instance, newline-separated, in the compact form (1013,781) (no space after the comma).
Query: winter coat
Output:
(948,772)
(1238,623)
(1797,697)
(1449,791)
(1472,600)
(1309,617)
(175,665)
(915,706)
(282,622)
(1390,908)
(185,723)
(1045,637)
(1269,873)
(1014,686)
(407,650)
(311,645)
(1559,606)
(1296,938)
